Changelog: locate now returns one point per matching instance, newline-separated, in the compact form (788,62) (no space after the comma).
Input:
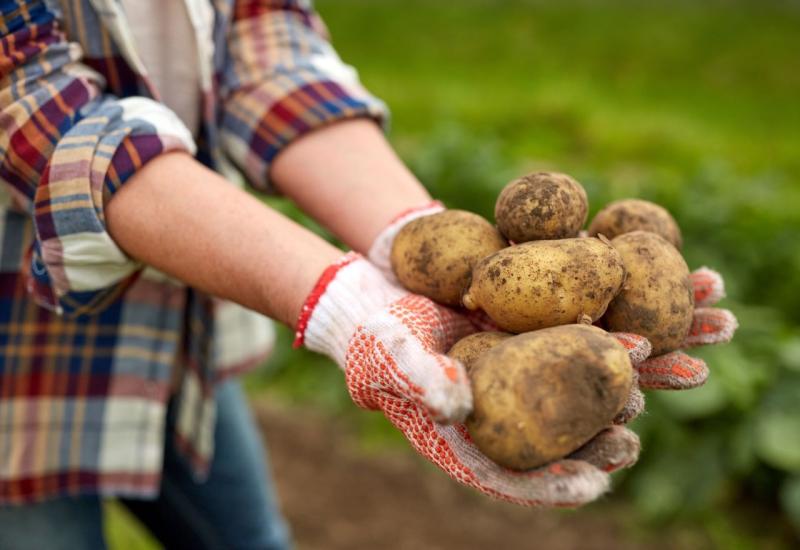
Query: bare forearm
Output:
(187,221)
(348,178)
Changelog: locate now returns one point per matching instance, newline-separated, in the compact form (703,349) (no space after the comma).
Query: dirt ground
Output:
(339,497)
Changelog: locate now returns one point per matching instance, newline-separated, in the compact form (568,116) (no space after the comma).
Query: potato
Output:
(540,206)
(541,395)
(434,255)
(468,349)
(657,300)
(636,215)
(546,283)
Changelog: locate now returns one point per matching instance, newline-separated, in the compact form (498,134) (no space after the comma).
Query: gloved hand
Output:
(391,344)
(675,370)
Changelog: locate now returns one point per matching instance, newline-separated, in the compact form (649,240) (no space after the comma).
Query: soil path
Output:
(339,497)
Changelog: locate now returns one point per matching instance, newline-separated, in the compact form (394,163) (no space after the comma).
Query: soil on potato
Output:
(337,496)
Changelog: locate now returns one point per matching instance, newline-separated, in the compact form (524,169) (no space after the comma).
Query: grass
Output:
(123,531)
(592,84)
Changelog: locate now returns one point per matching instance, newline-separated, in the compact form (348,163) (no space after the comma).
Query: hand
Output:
(391,345)
(677,370)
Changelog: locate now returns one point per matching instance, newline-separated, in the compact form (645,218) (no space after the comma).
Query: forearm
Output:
(348,178)
(187,221)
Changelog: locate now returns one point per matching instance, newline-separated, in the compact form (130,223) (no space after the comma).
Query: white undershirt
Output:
(166,41)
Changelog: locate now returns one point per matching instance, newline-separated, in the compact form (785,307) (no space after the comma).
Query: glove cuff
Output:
(381,249)
(347,292)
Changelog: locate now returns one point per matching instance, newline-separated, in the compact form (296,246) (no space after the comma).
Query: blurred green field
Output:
(695,105)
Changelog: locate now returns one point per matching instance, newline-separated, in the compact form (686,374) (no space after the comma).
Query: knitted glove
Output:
(391,346)
(677,370)
(381,250)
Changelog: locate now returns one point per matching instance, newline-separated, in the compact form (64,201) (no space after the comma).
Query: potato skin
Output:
(541,284)
(541,206)
(468,349)
(541,395)
(628,215)
(434,255)
(657,300)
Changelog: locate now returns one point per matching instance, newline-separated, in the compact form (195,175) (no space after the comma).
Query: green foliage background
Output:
(695,105)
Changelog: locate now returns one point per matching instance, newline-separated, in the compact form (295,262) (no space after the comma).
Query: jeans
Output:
(234,508)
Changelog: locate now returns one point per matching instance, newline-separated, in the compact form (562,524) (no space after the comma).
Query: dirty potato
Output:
(434,255)
(628,215)
(657,300)
(541,206)
(546,283)
(469,348)
(541,395)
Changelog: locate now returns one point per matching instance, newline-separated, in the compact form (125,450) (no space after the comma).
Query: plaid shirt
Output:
(88,338)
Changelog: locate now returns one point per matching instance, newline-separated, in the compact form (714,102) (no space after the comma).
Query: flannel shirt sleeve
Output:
(66,148)
(281,79)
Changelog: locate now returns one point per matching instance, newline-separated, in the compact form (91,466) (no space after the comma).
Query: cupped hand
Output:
(396,363)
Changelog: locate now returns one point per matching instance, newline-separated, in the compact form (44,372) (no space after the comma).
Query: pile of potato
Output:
(551,381)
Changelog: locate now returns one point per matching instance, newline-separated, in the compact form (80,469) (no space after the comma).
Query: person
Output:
(136,273)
